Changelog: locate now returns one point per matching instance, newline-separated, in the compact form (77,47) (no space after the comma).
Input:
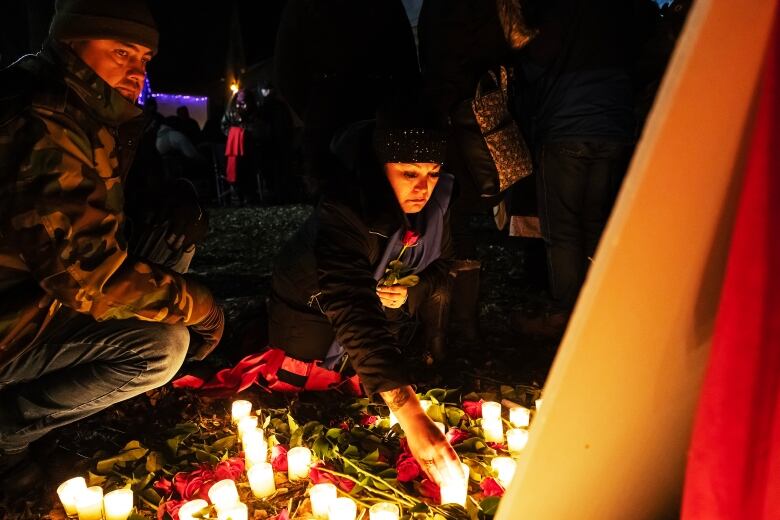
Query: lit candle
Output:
(298,463)
(245,424)
(240,409)
(505,469)
(383,511)
(456,490)
(493,430)
(261,479)
(224,494)
(520,416)
(118,504)
(538,404)
(322,496)
(68,491)
(89,503)
(424,404)
(188,510)
(440,426)
(516,438)
(343,508)
(237,511)
(255,447)
(491,410)
(393,419)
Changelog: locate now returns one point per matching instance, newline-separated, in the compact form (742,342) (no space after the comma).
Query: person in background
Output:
(242,125)
(84,323)
(187,125)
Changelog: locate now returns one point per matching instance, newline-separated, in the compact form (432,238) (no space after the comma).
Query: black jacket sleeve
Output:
(347,296)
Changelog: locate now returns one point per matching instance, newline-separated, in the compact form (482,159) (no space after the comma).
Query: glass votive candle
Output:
(188,510)
(516,439)
(261,479)
(255,447)
(89,503)
(237,511)
(383,511)
(491,411)
(322,495)
(224,494)
(343,508)
(504,468)
(298,463)
(68,491)
(245,424)
(240,409)
(520,416)
(118,504)
(493,430)
(456,490)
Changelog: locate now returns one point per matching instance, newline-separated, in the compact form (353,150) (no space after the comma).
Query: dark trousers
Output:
(79,366)
(577,182)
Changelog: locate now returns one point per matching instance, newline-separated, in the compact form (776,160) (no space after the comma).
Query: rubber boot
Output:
(464,313)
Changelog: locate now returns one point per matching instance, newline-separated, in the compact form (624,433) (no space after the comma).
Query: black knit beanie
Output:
(408,131)
(124,20)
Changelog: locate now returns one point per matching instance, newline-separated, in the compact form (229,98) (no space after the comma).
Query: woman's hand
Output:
(392,296)
(427,444)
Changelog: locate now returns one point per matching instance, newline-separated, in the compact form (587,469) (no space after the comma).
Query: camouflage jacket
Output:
(66,142)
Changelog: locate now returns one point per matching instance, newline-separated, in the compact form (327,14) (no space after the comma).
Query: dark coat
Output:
(323,284)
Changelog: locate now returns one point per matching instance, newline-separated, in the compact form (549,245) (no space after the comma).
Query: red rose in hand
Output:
(456,436)
(408,469)
(279,457)
(473,408)
(231,468)
(491,488)
(429,489)
(410,238)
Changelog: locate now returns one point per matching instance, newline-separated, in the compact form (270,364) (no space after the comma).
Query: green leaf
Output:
(151,495)
(225,443)
(372,457)
(174,442)
(408,280)
(94,479)
(437,394)
(131,452)
(141,482)
(454,415)
(474,445)
(420,508)
(489,505)
(322,449)
(436,412)
(204,456)
(154,461)
(334,434)
(351,452)
(291,422)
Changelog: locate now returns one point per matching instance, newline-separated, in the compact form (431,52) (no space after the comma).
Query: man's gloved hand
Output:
(208,331)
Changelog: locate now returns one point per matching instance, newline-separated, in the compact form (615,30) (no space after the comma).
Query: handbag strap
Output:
(501,81)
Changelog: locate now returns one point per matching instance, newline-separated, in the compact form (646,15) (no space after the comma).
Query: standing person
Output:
(243,127)
(575,97)
(333,299)
(84,324)
(187,125)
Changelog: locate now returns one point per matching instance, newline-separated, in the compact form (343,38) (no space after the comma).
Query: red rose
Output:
(163,486)
(456,436)
(408,469)
(283,515)
(318,476)
(473,408)
(491,488)
(368,420)
(410,238)
(171,507)
(279,457)
(429,489)
(231,468)
(499,446)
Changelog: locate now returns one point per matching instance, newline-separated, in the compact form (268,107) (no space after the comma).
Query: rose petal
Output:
(491,488)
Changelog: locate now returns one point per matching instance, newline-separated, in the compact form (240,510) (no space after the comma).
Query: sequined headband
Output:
(410,145)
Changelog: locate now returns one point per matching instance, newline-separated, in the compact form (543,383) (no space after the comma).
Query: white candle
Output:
(520,416)
(89,503)
(188,510)
(245,424)
(539,404)
(240,409)
(237,511)
(343,508)
(68,491)
(516,438)
(298,463)
(493,430)
(224,494)
(255,447)
(505,468)
(456,490)
(393,419)
(491,410)
(440,426)
(261,479)
(383,511)
(118,504)
(322,496)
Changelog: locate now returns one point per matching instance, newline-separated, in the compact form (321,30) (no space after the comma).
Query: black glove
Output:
(209,332)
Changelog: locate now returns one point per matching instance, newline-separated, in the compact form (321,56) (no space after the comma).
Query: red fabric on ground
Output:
(734,460)
(234,148)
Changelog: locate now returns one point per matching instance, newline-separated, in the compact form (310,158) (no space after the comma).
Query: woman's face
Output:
(413,183)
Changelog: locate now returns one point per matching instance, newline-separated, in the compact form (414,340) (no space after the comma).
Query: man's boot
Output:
(464,312)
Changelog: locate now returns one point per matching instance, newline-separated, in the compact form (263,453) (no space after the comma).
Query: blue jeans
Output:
(577,183)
